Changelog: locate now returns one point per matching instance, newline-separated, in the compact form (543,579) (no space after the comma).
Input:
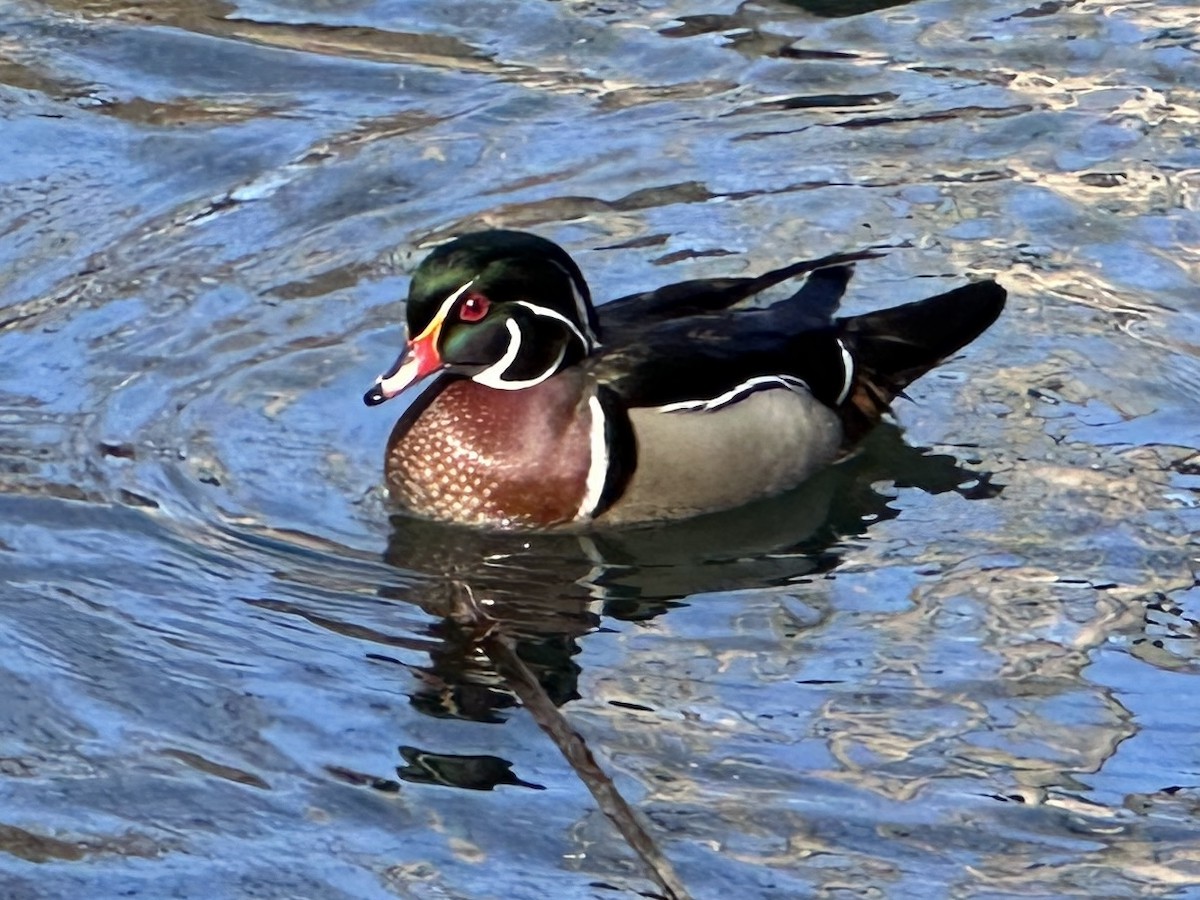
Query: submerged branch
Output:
(524,683)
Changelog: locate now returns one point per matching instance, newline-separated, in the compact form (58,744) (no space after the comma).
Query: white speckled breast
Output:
(482,456)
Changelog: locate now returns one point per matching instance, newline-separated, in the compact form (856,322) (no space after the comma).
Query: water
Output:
(959,665)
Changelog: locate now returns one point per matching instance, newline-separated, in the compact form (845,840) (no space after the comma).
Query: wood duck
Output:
(536,409)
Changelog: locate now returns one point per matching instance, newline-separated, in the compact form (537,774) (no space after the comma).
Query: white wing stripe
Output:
(848,368)
(746,387)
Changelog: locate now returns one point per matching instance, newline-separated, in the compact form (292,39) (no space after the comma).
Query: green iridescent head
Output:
(504,308)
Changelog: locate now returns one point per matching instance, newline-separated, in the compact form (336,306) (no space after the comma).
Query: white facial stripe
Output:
(746,387)
(598,466)
(493,375)
(581,307)
(443,311)
(848,368)
(553,314)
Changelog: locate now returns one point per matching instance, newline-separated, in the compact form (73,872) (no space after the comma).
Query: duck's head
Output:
(504,308)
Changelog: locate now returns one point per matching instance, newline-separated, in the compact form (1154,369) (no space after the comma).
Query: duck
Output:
(532,408)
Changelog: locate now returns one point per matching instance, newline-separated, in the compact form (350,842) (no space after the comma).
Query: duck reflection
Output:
(509,609)
(473,773)
(544,592)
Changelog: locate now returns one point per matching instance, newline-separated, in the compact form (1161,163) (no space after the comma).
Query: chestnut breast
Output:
(484,456)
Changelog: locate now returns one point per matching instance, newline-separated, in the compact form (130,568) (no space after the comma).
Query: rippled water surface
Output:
(959,665)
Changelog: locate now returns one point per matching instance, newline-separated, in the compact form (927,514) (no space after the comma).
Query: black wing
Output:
(711,359)
(624,318)
(685,342)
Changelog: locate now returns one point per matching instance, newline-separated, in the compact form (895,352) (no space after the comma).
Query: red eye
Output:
(474,308)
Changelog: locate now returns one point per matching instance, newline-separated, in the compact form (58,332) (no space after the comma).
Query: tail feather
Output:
(817,300)
(894,347)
